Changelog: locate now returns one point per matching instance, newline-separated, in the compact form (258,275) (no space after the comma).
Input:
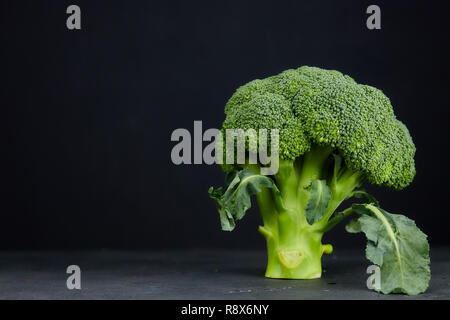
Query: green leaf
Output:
(363,194)
(226,219)
(319,196)
(397,246)
(236,200)
(229,176)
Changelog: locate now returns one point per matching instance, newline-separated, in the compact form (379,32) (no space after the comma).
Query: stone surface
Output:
(192,274)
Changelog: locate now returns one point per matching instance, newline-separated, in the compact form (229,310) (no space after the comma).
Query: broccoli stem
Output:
(299,258)
(294,247)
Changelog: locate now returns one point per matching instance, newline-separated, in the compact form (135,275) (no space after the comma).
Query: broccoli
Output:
(334,135)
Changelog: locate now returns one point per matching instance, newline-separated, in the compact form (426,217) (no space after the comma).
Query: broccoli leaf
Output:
(236,200)
(363,194)
(229,177)
(226,218)
(397,246)
(319,196)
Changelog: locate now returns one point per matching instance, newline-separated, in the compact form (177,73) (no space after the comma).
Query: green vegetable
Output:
(319,197)
(397,246)
(334,135)
(234,203)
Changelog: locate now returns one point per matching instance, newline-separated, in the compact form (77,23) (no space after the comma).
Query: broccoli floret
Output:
(334,134)
(312,106)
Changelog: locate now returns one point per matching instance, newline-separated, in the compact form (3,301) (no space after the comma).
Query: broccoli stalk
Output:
(293,244)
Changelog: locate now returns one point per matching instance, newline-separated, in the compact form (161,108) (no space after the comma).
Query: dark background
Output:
(88,114)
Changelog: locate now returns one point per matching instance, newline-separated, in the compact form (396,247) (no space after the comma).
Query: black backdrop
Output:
(87,115)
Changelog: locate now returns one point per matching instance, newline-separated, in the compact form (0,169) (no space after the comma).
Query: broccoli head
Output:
(315,107)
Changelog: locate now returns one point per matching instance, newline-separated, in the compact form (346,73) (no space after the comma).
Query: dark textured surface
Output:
(193,274)
(88,114)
